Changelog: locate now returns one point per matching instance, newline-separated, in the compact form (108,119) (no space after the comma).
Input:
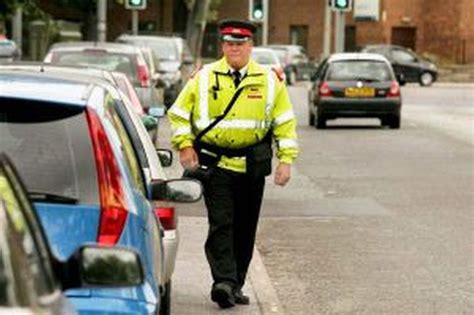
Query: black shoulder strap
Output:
(219,118)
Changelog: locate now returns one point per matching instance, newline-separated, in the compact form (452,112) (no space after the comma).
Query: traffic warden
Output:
(227,120)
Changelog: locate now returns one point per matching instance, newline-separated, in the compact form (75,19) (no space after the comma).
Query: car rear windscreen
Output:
(51,148)
(99,59)
(359,70)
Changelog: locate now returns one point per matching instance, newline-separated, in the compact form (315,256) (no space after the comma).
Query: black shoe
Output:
(222,294)
(241,298)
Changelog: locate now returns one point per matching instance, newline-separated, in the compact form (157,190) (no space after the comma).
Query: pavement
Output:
(191,282)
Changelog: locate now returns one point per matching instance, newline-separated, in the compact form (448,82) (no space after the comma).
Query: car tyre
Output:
(395,122)
(292,77)
(165,301)
(426,79)
(320,122)
(311,118)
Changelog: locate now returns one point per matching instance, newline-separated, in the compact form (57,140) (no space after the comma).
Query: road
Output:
(378,221)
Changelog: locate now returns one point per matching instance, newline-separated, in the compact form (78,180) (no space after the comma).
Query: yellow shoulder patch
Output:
(195,71)
(279,73)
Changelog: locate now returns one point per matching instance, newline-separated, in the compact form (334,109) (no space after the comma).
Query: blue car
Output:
(31,279)
(82,172)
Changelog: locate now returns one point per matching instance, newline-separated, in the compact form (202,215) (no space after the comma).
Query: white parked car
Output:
(269,59)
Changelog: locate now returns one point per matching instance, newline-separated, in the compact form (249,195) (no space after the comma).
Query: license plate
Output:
(359,92)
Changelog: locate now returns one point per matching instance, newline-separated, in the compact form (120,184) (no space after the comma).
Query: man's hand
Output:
(282,174)
(188,158)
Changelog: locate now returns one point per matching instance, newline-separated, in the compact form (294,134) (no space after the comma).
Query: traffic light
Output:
(256,10)
(135,4)
(341,5)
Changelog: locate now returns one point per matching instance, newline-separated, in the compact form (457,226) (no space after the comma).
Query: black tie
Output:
(236,75)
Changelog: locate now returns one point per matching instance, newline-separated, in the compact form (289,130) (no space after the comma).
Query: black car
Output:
(355,85)
(405,61)
(31,278)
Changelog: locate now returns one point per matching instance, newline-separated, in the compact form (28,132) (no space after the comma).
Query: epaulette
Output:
(195,71)
(279,73)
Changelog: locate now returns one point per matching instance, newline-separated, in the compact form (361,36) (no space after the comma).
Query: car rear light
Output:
(143,73)
(394,89)
(324,89)
(167,217)
(112,200)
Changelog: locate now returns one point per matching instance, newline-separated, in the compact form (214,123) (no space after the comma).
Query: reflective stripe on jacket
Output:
(263,104)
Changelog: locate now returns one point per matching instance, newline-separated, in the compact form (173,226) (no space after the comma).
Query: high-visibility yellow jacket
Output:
(263,104)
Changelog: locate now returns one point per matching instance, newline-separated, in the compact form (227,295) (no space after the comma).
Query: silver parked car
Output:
(175,60)
(111,57)
(9,51)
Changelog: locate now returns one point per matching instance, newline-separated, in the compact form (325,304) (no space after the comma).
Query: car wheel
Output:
(311,118)
(320,122)
(385,121)
(426,79)
(395,122)
(165,302)
(291,78)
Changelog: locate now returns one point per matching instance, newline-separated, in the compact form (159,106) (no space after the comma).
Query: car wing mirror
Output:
(93,266)
(149,122)
(158,80)
(165,156)
(183,190)
(401,78)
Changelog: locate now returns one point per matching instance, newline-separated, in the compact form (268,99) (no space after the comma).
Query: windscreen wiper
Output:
(42,196)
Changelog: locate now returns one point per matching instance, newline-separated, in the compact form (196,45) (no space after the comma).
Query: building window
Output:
(299,35)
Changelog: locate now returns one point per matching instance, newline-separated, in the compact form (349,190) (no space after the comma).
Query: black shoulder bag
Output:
(207,158)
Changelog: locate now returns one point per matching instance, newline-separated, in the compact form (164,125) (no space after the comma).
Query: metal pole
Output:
(135,22)
(266,13)
(17,28)
(342,30)
(327,31)
(102,20)
(340,25)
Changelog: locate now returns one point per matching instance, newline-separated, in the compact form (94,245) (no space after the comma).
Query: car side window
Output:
(321,68)
(35,228)
(27,263)
(127,148)
(15,287)
(402,56)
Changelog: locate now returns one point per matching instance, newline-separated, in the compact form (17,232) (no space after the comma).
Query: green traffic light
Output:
(258,14)
(342,3)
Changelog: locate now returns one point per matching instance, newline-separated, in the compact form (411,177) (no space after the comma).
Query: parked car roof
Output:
(32,86)
(357,56)
(110,46)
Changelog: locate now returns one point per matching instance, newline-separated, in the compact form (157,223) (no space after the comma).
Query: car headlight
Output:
(432,66)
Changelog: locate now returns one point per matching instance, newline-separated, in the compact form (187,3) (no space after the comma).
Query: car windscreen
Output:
(99,59)
(264,57)
(164,49)
(354,70)
(281,54)
(51,147)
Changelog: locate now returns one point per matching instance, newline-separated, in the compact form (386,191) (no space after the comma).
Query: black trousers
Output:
(233,202)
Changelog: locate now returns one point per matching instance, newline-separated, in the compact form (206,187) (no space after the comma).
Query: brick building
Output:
(440,27)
